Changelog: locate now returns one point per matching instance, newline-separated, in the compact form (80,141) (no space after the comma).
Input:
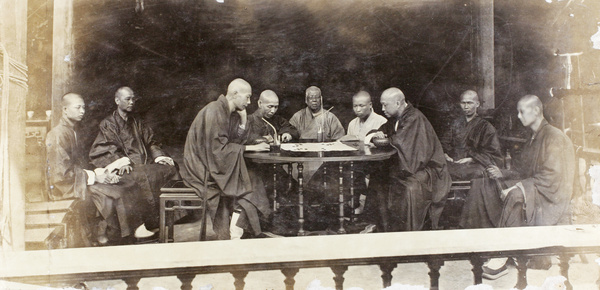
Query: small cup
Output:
(48,114)
(30,115)
(275,148)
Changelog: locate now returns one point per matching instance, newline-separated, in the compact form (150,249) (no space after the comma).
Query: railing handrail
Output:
(155,260)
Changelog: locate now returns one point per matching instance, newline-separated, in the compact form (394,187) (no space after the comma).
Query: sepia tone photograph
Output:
(300,144)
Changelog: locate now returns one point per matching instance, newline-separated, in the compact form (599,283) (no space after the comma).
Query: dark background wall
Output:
(178,55)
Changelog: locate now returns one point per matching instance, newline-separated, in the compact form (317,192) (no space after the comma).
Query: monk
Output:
(471,144)
(312,119)
(124,134)
(106,204)
(366,119)
(214,153)
(263,122)
(415,182)
(537,190)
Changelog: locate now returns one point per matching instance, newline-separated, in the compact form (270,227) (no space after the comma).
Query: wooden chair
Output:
(176,196)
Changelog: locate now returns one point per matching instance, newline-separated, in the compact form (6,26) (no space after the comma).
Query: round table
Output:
(363,154)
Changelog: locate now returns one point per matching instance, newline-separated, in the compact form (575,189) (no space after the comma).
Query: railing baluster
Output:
(339,276)
(477,263)
(301,231)
(132,283)
(386,273)
(186,281)
(564,269)
(521,272)
(239,277)
(289,274)
(434,272)
(341,230)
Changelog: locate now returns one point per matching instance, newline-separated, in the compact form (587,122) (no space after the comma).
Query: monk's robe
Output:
(546,170)
(119,204)
(258,128)
(476,139)
(308,125)
(133,139)
(415,181)
(359,129)
(214,149)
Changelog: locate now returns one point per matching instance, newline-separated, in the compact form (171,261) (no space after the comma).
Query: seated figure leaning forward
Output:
(415,183)
(214,153)
(265,125)
(471,144)
(122,134)
(535,192)
(107,206)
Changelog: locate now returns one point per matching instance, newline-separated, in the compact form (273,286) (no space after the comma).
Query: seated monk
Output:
(415,182)
(111,205)
(536,191)
(214,153)
(122,134)
(471,144)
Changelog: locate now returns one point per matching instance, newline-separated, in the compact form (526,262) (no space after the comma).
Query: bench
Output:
(175,196)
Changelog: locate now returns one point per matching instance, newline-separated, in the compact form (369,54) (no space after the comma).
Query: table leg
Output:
(324,177)
(301,200)
(352,201)
(161,227)
(170,223)
(290,177)
(274,187)
(341,196)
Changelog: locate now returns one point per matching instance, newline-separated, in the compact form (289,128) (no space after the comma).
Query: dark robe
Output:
(476,139)
(214,147)
(546,168)
(133,139)
(415,182)
(257,127)
(119,204)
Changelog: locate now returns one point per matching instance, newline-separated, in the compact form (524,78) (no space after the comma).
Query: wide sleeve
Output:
(335,128)
(285,127)
(150,143)
(415,142)
(487,152)
(66,179)
(105,148)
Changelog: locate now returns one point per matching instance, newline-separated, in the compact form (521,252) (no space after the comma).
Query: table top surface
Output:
(364,153)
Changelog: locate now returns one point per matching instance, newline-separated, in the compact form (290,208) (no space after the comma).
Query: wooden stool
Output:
(172,198)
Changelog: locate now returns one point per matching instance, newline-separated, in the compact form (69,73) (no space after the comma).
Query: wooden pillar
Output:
(13,37)
(62,54)
(485,57)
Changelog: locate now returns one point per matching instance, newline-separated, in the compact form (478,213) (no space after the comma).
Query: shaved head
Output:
(238,94)
(469,102)
(394,93)
(393,102)
(238,85)
(362,94)
(532,101)
(531,111)
(73,107)
(471,95)
(69,99)
(123,91)
(268,103)
(361,104)
(268,95)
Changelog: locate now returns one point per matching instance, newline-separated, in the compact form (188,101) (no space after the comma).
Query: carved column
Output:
(386,273)
(564,269)
(239,277)
(132,283)
(477,263)
(339,276)
(289,274)
(434,273)
(521,272)
(186,281)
